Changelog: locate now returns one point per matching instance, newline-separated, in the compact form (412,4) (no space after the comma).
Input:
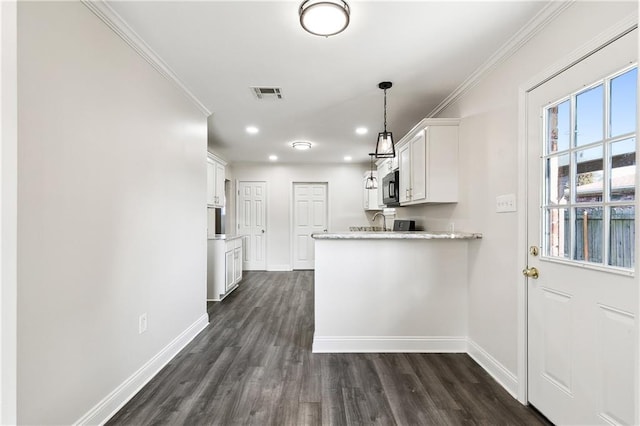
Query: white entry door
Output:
(251,220)
(309,217)
(581,215)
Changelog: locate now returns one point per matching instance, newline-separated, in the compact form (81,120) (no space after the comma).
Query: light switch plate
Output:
(506,203)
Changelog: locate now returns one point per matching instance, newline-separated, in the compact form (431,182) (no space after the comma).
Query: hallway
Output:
(253,365)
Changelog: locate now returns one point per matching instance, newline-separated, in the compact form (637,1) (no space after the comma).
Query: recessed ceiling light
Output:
(252,130)
(273,157)
(348,158)
(301,145)
(361,130)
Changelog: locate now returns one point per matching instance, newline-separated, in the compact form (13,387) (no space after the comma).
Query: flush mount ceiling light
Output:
(361,130)
(384,144)
(252,130)
(301,145)
(324,17)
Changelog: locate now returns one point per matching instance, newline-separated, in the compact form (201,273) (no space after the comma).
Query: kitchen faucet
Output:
(384,220)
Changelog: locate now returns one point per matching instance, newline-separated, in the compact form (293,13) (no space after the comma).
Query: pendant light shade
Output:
(371,182)
(324,17)
(385,147)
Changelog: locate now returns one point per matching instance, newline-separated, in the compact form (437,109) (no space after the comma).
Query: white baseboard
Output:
(113,402)
(499,372)
(279,268)
(419,344)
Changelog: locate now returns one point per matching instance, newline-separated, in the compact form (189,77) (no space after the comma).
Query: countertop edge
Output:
(223,237)
(394,235)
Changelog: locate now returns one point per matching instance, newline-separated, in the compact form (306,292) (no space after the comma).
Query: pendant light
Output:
(384,144)
(371,182)
(324,17)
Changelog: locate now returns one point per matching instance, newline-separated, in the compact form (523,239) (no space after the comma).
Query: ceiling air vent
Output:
(265,93)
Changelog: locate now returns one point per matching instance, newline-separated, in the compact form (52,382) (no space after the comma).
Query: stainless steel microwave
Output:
(391,189)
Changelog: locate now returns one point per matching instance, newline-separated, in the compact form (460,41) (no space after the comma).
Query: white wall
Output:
(488,159)
(111,212)
(345,204)
(8,211)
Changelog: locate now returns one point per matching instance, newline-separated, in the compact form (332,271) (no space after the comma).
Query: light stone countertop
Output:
(394,235)
(224,237)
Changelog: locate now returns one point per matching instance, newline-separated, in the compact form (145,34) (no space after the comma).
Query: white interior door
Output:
(251,220)
(309,216)
(582,308)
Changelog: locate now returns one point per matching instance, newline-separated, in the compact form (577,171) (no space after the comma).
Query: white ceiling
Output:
(219,49)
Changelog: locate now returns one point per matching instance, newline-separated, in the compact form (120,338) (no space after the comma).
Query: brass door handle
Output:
(530,272)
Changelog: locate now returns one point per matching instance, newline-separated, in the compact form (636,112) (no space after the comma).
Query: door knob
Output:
(263,231)
(530,272)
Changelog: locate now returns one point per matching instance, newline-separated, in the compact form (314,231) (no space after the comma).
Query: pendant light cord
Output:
(385,110)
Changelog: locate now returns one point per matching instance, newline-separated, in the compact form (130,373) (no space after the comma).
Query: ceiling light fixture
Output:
(252,130)
(301,145)
(348,158)
(362,130)
(324,17)
(273,157)
(371,182)
(384,144)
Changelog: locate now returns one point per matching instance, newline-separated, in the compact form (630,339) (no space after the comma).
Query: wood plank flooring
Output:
(253,365)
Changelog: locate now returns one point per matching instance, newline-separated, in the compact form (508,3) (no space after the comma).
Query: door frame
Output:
(613,33)
(292,198)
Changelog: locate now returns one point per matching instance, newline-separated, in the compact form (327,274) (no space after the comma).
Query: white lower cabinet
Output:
(224,267)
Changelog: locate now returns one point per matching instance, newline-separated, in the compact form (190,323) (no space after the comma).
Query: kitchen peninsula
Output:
(391,291)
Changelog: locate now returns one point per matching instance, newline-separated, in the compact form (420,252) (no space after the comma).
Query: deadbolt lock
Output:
(533,250)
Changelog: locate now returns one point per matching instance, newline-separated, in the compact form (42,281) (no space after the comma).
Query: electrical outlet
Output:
(142,323)
(506,203)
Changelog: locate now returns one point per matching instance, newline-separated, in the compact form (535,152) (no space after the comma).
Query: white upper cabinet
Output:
(428,163)
(215,181)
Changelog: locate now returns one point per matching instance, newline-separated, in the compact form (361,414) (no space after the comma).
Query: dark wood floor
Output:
(253,365)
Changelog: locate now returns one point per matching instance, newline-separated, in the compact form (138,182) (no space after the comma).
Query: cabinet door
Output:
(211,179)
(442,164)
(219,185)
(229,270)
(237,262)
(418,189)
(405,172)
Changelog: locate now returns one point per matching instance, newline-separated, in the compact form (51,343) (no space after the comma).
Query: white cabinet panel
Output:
(404,162)
(215,182)
(224,267)
(428,163)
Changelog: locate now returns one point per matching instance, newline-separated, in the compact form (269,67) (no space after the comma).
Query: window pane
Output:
(589,116)
(622,234)
(589,175)
(588,230)
(559,125)
(557,179)
(557,230)
(623,170)
(624,103)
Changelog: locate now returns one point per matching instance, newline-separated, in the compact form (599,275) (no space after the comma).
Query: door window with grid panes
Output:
(589,167)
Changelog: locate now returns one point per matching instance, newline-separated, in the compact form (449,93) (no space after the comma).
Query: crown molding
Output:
(110,17)
(530,29)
